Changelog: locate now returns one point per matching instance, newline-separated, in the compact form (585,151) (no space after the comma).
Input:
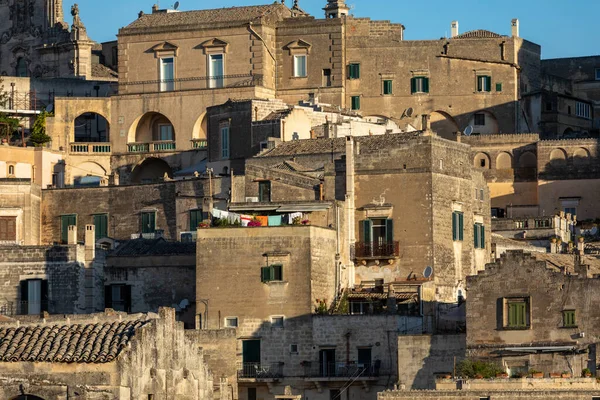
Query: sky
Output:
(562,28)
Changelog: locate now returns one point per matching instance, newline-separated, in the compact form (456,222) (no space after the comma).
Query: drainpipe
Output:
(350,198)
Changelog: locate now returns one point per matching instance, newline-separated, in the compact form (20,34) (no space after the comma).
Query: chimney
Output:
(515,27)
(425,123)
(154,8)
(72,234)
(454,29)
(90,242)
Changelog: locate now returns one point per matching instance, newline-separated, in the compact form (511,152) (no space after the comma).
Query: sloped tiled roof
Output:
(275,115)
(78,343)
(196,17)
(478,34)
(153,247)
(102,71)
(567,261)
(291,166)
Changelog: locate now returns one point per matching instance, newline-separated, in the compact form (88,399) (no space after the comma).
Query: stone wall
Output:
(21,199)
(487,394)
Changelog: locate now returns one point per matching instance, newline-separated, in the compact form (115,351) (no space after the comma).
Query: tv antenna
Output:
(427,272)
(176,6)
(468,130)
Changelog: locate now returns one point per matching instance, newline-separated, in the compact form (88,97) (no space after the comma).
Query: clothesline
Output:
(265,220)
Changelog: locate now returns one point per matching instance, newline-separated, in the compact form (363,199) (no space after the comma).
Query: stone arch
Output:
(151,127)
(504,161)
(484,122)
(528,160)
(151,170)
(200,130)
(88,173)
(558,157)
(443,124)
(482,160)
(91,127)
(581,156)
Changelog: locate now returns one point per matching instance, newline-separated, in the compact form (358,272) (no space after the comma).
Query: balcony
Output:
(163,145)
(379,250)
(343,371)
(186,84)
(260,371)
(199,144)
(90,148)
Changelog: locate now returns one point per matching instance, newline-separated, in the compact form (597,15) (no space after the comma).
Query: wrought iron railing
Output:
(33,307)
(344,370)
(377,249)
(163,145)
(199,143)
(195,83)
(260,370)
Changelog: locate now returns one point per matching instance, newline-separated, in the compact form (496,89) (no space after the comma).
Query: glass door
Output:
(216,71)
(167,75)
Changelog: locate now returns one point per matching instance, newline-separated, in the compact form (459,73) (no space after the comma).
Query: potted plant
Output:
(536,374)
(555,374)
(203,225)
(586,373)
(565,374)
(502,375)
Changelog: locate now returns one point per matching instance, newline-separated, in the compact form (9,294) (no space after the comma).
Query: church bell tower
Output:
(336,9)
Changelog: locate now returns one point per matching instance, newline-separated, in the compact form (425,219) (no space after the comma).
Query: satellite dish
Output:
(428,272)
(176,6)
(409,112)
(468,130)
(50,108)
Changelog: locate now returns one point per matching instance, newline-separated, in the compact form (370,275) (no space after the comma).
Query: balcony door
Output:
(327,362)
(34,295)
(378,236)
(215,71)
(167,74)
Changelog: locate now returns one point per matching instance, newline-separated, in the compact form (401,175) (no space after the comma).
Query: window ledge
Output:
(276,282)
(569,327)
(299,77)
(516,328)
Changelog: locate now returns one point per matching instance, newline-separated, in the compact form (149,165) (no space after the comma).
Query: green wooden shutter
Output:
(265,274)
(389,230)
(482,238)
(367,225)
(480,83)
(488,83)
(476,235)
(425,85)
(413,85)
(101,225)
(357,71)
(521,314)
(460,226)
(454,226)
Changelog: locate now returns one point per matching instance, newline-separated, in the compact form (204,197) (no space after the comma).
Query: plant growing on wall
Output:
(38,133)
(476,368)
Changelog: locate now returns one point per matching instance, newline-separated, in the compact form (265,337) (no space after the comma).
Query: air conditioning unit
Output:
(251,199)
(135,236)
(187,237)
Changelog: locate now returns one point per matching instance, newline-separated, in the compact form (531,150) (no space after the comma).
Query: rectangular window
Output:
(167,74)
(118,297)
(356,102)
(264,191)
(484,83)
(8,229)
(216,71)
(327,77)
(481,194)
(251,393)
(149,222)
(569,319)
(517,317)
(364,357)
(354,71)
(277,322)
(334,394)
(571,210)
(387,87)
(165,132)
(34,296)
(225,142)
(293,349)
(498,87)
(231,322)
(479,236)
(65,222)
(457,226)
(101,225)
(272,273)
(479,119)
(598,74)
(196,216)
(419,84)
(583,110)
(300,66)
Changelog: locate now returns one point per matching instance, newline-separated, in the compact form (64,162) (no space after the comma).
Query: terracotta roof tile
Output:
(77,343)
(478,34)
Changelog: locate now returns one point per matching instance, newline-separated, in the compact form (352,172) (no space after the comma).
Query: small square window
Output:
(387,87)
(354,71)
(356,102)
(598,79)
(293,348)
(569,320)
(272,273)
(517,313)
(231,322)
(479,119)
(419,84)
(277,322)
(481,194)
(498,87)
(484,83)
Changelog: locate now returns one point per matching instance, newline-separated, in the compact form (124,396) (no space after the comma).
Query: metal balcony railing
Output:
(260,370)
(199,144)
(90,148)
(194,83)
(377,249)
(162,145)
(344,370)
(33,308)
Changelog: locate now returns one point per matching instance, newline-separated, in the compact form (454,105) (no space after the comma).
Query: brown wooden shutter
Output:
(8,228)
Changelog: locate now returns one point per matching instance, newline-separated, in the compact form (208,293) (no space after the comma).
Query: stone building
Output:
(19,211)
(526,314)
(110,356)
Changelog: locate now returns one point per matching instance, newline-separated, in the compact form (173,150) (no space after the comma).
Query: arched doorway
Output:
(581,156)
(87,174)
(558,158)
(484,122)
(504,161)
(152,127)
(482,160)
(91,128)
(443,124)
(151,170)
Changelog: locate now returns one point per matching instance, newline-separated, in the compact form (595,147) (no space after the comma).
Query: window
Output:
(327,77)
(21,67)
(216,71)
(167,74)
(354,71)
(571,210)
(481,194)
(264,191)
(364,357)
(484,83)
(457,226)
(378,231)
(517,313)
(272,273)
(293,349)
(11,170)
(231,322)
(598,74)
(8,229)
(277,322)
(65,222)
(359,307)
(118,297)
(251,393)
(479,119)
(34,296)
(149,222)
(569,319)
(419,84)
(101,225)
(479,236)
(387,87)
(583,110)
(196,216)
(356,102)
(165,132)
(498,87)
(334,394)
(225,142)
(300,66)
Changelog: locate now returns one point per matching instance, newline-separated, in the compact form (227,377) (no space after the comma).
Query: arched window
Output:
(11,170)
(21,67)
